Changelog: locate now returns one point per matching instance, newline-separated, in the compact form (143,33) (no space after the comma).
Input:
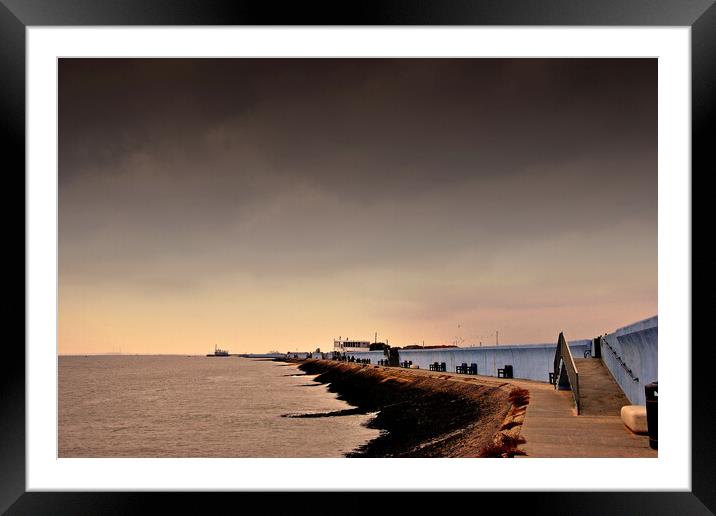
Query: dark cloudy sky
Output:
(278,203)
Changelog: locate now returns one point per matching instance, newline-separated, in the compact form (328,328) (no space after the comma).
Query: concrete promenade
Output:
(552,428)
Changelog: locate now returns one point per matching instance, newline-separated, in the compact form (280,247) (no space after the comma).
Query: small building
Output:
(350,346)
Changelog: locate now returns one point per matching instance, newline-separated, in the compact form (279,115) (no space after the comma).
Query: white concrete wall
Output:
(373,355)
(298,354)
(529,361)
(638,346)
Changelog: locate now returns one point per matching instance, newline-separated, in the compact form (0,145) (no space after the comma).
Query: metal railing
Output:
(620,360)
(563,356)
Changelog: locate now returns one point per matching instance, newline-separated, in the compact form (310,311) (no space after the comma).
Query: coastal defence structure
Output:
(584,398)
(630,354)
(528,361)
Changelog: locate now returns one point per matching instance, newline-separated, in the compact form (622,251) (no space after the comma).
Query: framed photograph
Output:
(416,249)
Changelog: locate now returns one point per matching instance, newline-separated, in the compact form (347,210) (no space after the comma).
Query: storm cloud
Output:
(353,195)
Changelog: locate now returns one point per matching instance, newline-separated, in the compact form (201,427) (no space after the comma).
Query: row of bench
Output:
(464,369)
(353,360)
(505,372)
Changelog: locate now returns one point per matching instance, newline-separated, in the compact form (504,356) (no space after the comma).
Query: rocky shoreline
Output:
(426,415)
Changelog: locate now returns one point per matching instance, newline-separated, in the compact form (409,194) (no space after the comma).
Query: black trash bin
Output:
(652,420)
(508,371)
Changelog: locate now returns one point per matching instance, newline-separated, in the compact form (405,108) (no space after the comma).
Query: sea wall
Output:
(637,345)
(528,361)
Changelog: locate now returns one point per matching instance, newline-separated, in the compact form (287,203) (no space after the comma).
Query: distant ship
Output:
(218,352)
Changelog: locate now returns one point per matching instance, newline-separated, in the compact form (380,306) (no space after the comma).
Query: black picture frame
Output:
(16,15)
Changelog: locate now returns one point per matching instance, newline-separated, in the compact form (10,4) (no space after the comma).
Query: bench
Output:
(505,372)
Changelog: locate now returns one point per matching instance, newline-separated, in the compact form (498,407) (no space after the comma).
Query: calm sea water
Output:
(179,406)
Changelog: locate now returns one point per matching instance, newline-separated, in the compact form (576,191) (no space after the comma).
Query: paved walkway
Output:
(552,427)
